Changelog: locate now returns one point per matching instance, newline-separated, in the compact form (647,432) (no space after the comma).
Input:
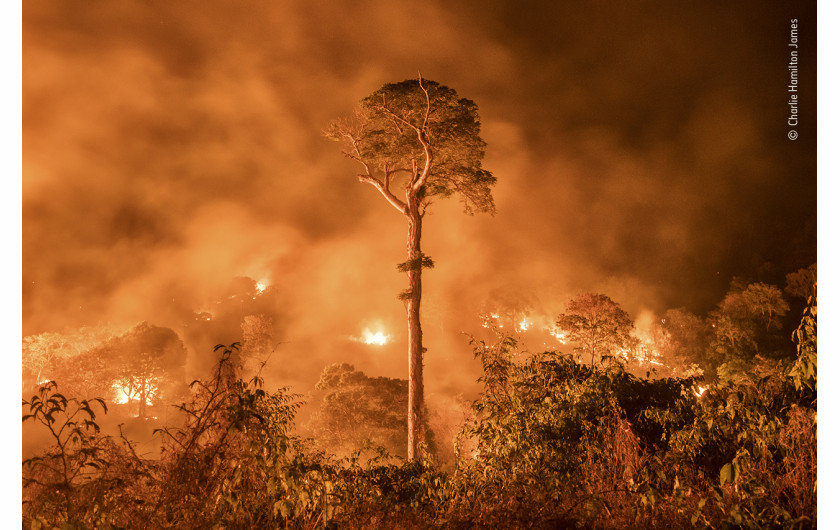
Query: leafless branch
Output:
(390,197)
(428,100)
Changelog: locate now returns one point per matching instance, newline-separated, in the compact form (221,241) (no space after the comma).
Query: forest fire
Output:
(129,394)
(224,254)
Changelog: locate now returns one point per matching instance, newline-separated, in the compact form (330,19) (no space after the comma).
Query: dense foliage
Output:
(355,410)
(552,441)
(551,444)
(402,126)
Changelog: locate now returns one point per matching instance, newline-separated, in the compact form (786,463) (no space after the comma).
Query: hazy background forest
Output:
(178,194)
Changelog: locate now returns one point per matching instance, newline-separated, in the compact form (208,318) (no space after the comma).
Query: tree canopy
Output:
(597,324)
(748,322)
(355,408)
(419,127)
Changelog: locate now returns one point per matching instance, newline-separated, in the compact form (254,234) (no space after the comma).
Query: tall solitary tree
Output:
(421,137)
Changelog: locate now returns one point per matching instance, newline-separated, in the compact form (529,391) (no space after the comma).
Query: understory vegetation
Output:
(551,443)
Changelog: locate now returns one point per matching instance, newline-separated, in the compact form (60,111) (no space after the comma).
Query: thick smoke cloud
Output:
(640,152)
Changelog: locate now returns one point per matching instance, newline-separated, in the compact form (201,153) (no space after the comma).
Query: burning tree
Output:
(145,364)
(421,135)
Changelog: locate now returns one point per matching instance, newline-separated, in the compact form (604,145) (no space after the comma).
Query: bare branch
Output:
(368,176)
(390,197)
(427,168)
(428,100)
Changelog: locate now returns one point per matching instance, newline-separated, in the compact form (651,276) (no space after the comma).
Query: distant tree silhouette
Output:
(686,339)
(356,407)
(802,283)
(597,324)
(43,353)
(748,321)
(257,342)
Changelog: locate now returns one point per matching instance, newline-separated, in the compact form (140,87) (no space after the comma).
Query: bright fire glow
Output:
(525,324)
(377,338)
(261,287)
(644,354)
(491,320)
(124,394)
(558,334)
(699,391)
(121,394)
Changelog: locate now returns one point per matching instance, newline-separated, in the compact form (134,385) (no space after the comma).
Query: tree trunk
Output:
(141,407)
(415,334)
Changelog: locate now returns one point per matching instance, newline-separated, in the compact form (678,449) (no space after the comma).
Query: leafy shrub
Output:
(553,440)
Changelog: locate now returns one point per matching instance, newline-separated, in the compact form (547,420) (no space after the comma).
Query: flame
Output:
(261,286)
(525,324)
(485,320)
(558,334)
(378,338)
(203,315)
(496,317)
(700,390)
(124,394)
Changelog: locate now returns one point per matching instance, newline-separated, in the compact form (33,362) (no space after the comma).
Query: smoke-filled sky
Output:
(641,151)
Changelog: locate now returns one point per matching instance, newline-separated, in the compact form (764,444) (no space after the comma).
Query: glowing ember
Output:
(487,321)
(558,334)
